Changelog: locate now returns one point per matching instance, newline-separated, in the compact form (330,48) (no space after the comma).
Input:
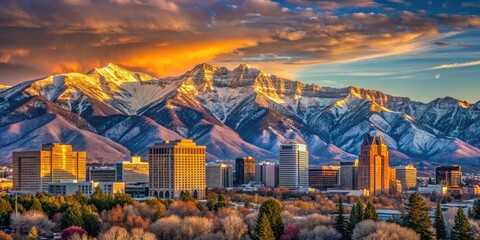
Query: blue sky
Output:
(423,49)
(434,70)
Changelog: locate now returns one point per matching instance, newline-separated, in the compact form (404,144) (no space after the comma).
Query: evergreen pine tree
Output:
(263,230)
(417,217)
(272,209)
(340,223)
(72,216)
(352,220)
(33,234)
(439,224)
(360,211)
(370,212)
(475,210)
(36,205)
(462,229)
(5,211)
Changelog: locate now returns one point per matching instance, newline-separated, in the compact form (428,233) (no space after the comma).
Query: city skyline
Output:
(400,47)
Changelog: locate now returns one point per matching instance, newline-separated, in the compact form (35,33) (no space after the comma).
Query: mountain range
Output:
(111,113)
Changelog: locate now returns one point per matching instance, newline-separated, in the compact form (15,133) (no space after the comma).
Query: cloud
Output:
(168,37)
(456,65)
(437,76)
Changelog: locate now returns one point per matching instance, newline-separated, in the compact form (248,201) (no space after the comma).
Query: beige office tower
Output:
(175,167)
(373,168)
(33,170)
(407,176)
(132,171)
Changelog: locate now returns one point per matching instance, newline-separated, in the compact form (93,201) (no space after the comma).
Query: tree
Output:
(417,217)
(462,229)
(272,209)
(36,205)
(69,232)
(263,231)
(122,199)
(4,236)
(475,210)
(221,202)
(234,227)
(33,234)
(370,212)
(353,219)
(370,230)
(186,196)
(291,233)
(72,217)
(92,224)
(340,224)
(101,200)
(439,224)
(360,211)
(5,211)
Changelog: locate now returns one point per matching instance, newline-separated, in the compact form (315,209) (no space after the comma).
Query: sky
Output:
(420,49)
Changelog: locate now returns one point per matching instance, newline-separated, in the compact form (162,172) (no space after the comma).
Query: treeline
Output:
(104,217)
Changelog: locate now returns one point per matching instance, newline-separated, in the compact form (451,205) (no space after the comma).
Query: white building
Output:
(267,173)
(293,165)
(219,175)
(433,189)
(68,187)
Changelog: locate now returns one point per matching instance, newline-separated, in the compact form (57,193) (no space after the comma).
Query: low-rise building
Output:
(433,189)
(101,174)
(323,177)
(68,187)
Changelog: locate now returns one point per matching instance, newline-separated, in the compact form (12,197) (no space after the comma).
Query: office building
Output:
(244,170)
(373,166)
(407,175)
(348,174)
(323,177)
(87,188)
(267,173)
(293,165)
(175,167)
(449,175)
(219,175)
(33,170)
(101,174)
(132,171)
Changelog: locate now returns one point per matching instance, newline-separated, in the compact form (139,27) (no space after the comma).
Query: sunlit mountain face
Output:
(112,112)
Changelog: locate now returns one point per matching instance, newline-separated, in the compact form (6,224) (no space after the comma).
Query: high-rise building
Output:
(267,173)
(293,165)
(132,171)
(373,168)
(175,167)
(348,174)
(323,177)
(101,174)
(244,170)
(33,170)
(449,175)
(407,175)
(219,175)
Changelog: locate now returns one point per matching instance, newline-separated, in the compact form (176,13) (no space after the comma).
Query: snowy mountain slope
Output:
(4,87)
(245,111)
(134,132)
(31,134)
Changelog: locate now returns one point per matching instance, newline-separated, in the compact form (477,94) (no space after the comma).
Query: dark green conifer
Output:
(417,217)
(340,223)
(263,230)
(462,229)
(439,224)
(370,212)
(272,209)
